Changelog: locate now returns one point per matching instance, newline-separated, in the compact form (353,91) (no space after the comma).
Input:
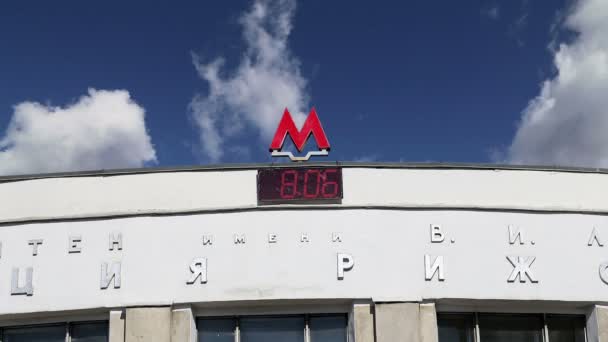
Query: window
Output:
(313,328)
(54,333)
(510,328)
(328,329)
(566,329)
(269,329)
(77,332)
(216,330)
(455,328)
(89,332)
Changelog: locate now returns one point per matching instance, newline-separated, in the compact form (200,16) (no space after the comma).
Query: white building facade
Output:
(433,253)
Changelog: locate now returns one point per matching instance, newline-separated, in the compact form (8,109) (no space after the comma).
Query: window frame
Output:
(542,316)
(66,324)
(306,317)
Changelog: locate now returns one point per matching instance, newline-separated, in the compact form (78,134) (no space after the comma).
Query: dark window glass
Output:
(216,330)
(456,327)
(89,332)
(55,333)
(328,328)
(272,329)
(566,328)
(510,328)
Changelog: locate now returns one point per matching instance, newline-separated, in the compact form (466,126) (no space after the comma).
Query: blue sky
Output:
(394,81)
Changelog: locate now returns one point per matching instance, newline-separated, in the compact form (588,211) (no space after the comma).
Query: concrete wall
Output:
(183,325)
(368,322)
(428,323)
(388,248)
(153,324)
(397,322)
(361,323)
(117,326)
(597,324)
(386,213)
(182,192)
(148,324)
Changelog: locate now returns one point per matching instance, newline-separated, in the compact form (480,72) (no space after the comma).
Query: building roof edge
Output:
(255,166)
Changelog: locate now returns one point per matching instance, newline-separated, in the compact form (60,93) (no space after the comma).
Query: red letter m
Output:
(312,125)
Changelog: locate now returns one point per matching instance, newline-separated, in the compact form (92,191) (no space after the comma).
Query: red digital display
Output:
(289,185)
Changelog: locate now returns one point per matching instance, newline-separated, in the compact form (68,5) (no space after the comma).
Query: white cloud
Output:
(567,123)
(266,81)
(517,28)
(492,12)
(104,129)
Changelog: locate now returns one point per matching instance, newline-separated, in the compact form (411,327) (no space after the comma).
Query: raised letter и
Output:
(435,267)
(107,275)
(514,235)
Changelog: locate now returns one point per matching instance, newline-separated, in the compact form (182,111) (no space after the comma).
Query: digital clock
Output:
(300,185)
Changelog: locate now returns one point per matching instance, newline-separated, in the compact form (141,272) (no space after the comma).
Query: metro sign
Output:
(312,126)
